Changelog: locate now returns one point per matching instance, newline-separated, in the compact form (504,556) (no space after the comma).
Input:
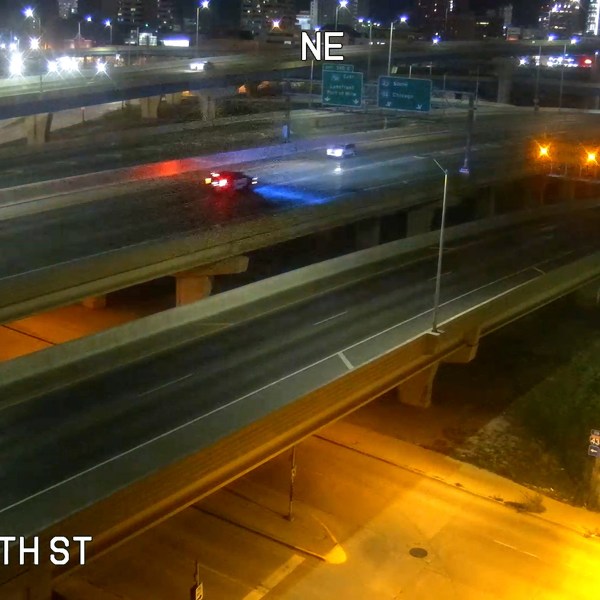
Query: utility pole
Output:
(465,169)
(290,515)
(438,278)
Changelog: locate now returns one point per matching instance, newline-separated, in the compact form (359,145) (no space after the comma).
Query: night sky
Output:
(525,11)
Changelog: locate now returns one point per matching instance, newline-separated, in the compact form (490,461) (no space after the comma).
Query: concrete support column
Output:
(192,287)
(37,128)
(150,107)
(196,284)
(416,391)
(174,98)
(419,220)
(504,72)
(485,203)
(208,106)
(95,302)
(367,233)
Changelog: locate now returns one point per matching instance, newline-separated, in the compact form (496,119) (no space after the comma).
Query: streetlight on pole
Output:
(108,23)
(402,20)
(562,78)
(341,4)
(536,95)
(29,13)
(389,69)
(438,277)
(205,4)
(369,53)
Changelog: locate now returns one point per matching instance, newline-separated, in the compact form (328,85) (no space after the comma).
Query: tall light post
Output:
(402,20)
(29,13)
(438,277)
(108,23)
(88,19)
(204,5)
(341,4)
(370,23)
(536,95)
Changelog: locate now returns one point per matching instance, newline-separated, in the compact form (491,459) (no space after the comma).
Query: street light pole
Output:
(369,53)
(438,278)
(562,78)
(197,28)
(389,69)
(465,170)
(310,89)
(536,97)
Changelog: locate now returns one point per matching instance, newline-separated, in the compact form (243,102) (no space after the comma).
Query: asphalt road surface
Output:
(354,495)
(84,442)
(119,217)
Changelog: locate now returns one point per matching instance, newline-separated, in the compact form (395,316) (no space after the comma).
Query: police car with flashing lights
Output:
(341,150)
(230,181)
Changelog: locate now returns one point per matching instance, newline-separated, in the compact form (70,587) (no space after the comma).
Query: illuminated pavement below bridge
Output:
(375,518)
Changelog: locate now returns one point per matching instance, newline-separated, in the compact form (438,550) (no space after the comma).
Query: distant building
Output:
(592,22)
(67,8)
(160,14)
(439,17)
(261,17)
(564,18)
(303,20)
(324,13)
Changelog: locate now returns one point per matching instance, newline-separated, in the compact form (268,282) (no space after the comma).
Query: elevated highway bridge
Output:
(108,435)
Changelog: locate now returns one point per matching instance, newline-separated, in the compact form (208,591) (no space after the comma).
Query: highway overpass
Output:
(50,93)
(107,435)
(158,221)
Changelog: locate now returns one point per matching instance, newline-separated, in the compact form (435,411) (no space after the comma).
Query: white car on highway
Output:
(341,150)
(201,65)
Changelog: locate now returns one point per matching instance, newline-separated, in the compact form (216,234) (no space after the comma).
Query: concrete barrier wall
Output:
(55,367)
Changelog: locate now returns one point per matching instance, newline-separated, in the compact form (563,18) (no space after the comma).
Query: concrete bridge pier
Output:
(37,128)
(416,390)
(504,72)
(150,107)
(208,106)
(367,233)
(196,284)
(419,220)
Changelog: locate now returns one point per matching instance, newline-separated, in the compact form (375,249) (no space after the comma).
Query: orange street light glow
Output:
(544,151)
(591,157)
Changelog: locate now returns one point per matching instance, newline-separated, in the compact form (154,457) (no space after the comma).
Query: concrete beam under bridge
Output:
(37,128)
(367,233)
(195,284)
(419,220)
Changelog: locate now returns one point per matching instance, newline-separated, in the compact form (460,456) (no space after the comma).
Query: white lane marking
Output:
(275,578)
(164,385)
(264,387)
(516,549)
(435,276)
(539,270)
(330,318)
(346,361)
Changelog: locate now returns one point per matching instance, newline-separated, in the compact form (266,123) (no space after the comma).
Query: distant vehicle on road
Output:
(342,150)
(202,65)
(230,182)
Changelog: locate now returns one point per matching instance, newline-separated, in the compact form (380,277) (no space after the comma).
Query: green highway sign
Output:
(342,89)
(404,93)
(338,67)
